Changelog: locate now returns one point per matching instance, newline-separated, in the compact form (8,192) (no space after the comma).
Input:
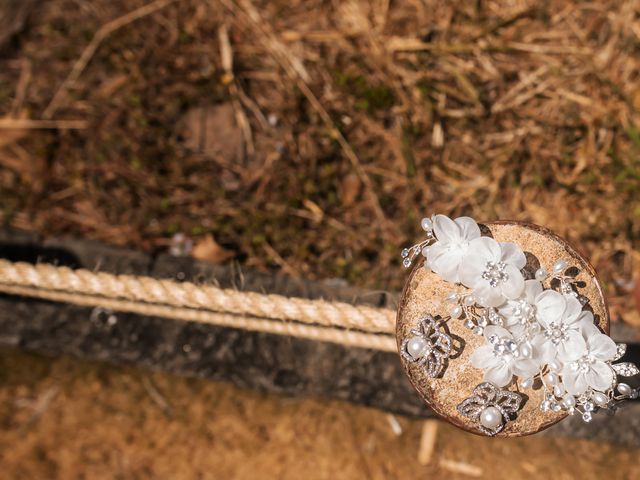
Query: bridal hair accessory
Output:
(503,329)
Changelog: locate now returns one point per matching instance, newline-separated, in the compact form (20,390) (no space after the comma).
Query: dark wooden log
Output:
(254,360)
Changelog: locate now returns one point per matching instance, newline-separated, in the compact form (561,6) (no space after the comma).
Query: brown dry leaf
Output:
(213,131)
(350,189)
(209,250)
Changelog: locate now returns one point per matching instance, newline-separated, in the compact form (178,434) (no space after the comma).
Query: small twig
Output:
(104,31)
(226,54)
(25,123)
(461,467)
(428,441)
(156,396)
(21,88)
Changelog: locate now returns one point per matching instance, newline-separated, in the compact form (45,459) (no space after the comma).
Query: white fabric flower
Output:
(453,237)
(501,359)
(492,270)
(520,314)
(561,318)
(591,369)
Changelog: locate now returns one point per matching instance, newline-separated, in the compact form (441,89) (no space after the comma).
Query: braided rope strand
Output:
(169,293)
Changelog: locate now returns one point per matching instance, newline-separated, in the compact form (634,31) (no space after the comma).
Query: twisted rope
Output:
(337,322)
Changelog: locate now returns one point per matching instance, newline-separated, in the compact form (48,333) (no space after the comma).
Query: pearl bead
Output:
(600,398)
(541,274)
(624,389)
(558,390)
(555,365)
(469,300)
(569,401)
(525,350)
(551,378)
(559,266)
(527,382)
(417,347)
(491,418)
(452,297)
(426,224)
(456,311)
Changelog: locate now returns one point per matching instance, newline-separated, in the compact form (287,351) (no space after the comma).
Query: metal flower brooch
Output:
(532,329)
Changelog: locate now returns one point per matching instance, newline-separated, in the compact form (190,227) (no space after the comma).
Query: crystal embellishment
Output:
(625,369)
(428,346)
(487,399)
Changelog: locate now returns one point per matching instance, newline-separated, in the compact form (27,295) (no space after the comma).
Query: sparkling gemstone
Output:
(586,416)
(406,262)
(511,345)
(478,330)
(495,273)
(469,323)
(404,253)
(493,339)
(500,348)
(589,407)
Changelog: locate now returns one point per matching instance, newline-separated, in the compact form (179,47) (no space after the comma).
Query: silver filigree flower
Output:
(490,407)
(428,346)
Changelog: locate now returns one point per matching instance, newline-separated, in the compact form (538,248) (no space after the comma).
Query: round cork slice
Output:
(425,294)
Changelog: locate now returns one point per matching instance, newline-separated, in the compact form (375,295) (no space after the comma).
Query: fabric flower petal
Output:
(588,328)
(572,310)
(471,268)
(513,287)
(499,375)
(468,228)
(446,230)
(483,357)
(486,248)
(550,306)
(511,253)
(574,382)
(444,261)
(486,295)
(500,332)
(600,376)
(572,348)
(532,288)
(602,347)
(525,368)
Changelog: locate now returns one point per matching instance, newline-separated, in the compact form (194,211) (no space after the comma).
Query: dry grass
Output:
(360,118)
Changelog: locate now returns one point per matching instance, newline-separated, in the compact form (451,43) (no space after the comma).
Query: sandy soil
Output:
(67,419)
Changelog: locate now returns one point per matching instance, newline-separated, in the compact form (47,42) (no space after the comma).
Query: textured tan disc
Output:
(425,294)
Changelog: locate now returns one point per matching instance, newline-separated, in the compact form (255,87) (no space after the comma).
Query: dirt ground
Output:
(69,419)
(237,126)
